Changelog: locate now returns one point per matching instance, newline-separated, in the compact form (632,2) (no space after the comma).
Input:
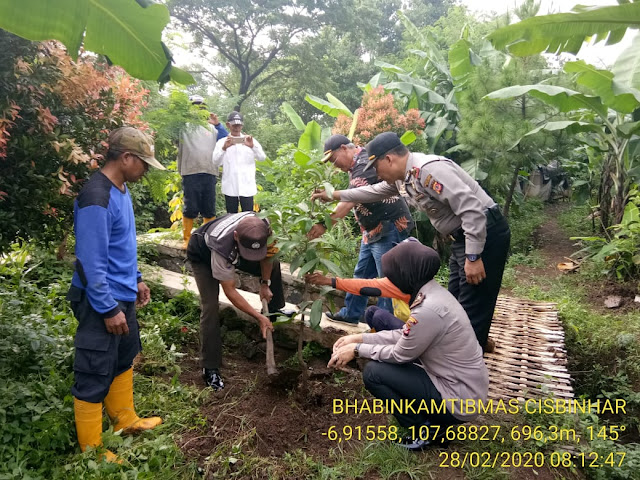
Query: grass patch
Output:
(524,221)
(603,349)
(575,221)
(36,374)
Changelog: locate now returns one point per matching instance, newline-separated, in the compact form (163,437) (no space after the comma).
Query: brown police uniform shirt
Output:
(449,196)
(439,338)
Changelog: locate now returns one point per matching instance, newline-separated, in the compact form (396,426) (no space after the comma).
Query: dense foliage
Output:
(36,374)
(54,117)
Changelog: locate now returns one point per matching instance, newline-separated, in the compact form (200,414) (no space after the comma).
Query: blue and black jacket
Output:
(106,247)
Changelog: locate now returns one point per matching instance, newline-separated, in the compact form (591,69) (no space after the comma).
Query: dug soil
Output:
(284,418)
(269,421)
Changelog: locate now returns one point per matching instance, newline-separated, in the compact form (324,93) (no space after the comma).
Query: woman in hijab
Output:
(435,357)
(378,318)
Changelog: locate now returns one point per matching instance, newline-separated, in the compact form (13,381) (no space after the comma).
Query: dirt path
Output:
(554,246)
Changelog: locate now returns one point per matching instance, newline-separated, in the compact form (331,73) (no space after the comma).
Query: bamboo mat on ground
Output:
(530,359)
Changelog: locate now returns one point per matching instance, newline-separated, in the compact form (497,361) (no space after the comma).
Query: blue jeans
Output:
(370,266)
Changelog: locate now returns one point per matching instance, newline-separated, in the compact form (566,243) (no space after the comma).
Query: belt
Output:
(494,216)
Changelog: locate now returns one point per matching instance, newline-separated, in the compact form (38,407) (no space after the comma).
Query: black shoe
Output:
(418,444)
(212,379)
(286,312)
(336,317)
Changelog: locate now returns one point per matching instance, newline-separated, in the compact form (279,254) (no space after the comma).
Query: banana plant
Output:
(606,117)
(567,32)
(618,252)
(127,32)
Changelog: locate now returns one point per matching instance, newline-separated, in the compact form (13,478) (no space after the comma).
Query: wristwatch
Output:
(472,257)
(265,282)
(356,350)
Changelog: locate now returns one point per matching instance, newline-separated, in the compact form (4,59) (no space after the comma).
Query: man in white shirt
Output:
(238,154)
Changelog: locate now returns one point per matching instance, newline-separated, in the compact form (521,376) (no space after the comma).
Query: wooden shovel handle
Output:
(271,362)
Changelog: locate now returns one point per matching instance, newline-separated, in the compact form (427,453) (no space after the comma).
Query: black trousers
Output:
(209,289)
(232,204)
(199,195)
(479,301)
(406,381)
(100,356)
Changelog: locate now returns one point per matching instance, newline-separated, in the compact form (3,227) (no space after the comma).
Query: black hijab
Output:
(409,265)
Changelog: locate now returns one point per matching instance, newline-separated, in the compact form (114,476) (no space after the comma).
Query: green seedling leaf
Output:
(301,158)
(310,265)
(333,268)
(316,314)
(328,222)
(296,263)
(328,188)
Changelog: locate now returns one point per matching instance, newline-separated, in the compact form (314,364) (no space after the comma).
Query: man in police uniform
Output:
(215,250)
(384,224)
(457,207)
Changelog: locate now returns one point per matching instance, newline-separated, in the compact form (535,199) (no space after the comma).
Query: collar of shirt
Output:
(410,169)
(355,158)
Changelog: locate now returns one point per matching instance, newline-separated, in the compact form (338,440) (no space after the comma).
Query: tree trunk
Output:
(604,193)
(512,188)
(303,365)
(619,201)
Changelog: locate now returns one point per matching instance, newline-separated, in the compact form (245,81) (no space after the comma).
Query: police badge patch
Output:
(407,326)
(437,187)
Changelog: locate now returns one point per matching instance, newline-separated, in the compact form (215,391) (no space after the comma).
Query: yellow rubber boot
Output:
(207,220)
(187,226)
(89,427)
(119,405)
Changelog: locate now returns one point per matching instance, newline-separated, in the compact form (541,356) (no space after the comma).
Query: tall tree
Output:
(247,35)
(326,63)
(279,43)
(423,13)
